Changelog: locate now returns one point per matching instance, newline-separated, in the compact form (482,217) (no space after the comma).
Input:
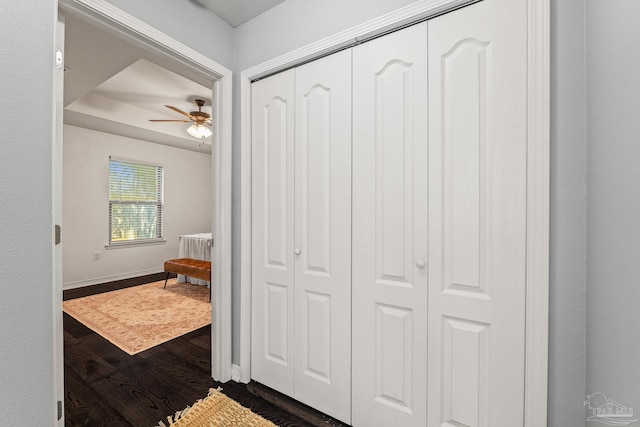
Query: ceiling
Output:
(114,86)
(124,104)
(236,12)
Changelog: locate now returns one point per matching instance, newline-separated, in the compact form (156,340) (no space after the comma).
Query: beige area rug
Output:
(138,318)
(216,410)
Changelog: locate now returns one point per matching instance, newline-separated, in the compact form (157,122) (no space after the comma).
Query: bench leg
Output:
(165,280)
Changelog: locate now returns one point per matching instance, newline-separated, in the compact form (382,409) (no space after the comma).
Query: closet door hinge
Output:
(58,231)
(59,409)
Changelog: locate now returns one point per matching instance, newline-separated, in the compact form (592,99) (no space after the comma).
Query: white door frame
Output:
(58,324)
(538,113)
(106,16)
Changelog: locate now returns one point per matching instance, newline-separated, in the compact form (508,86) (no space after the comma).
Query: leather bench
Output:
(189,267)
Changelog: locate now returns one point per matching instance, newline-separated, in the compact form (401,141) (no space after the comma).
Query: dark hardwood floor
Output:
(104,386)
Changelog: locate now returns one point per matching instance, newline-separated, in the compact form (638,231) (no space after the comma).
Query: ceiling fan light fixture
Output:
(199,131)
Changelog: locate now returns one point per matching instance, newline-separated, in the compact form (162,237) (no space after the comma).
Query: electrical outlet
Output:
(96,256)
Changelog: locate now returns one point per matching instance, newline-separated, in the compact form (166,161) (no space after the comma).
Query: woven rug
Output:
(141,317)
(216,410)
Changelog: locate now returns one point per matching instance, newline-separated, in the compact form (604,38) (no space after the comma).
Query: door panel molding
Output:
(390,229)
(323,234)
(477,214)
(273,291)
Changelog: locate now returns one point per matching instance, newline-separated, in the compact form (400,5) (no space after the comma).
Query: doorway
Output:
(171,54)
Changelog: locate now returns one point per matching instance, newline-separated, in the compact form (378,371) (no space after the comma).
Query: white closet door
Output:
(477,212)
(389,230)
(272,223)
(323,235)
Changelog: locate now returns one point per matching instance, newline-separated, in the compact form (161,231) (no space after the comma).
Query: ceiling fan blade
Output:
(159,120)
(177,110)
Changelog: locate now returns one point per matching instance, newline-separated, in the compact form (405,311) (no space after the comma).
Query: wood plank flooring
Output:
(104,386)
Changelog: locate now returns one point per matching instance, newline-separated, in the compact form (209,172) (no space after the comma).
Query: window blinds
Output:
(135,201)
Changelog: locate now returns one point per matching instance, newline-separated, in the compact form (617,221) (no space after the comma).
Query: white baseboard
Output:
(235,373)
(112,278)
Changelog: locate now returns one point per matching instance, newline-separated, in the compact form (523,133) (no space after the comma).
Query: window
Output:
(135,202)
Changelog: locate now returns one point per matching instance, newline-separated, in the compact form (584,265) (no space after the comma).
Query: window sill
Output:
(133,244)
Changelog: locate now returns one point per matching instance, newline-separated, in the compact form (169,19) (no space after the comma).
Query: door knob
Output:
(297,251)
(420,263)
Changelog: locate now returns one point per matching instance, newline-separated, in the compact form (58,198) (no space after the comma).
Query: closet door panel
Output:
(477,215)
(273,270)
(323,234)
(389,229)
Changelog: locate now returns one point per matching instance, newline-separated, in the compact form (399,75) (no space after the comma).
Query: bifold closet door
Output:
(477,215)
(323,234)
(390,230)
(301,233)
(272,231)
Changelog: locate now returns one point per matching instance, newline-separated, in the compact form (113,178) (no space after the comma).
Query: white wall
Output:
(568,217)
(188,22)
(26,246)
(613,202)
(187,209)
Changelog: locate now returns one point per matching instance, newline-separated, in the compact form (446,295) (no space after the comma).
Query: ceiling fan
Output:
(201,120)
